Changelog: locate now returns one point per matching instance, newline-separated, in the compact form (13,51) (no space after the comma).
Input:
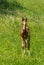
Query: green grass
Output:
(10,24)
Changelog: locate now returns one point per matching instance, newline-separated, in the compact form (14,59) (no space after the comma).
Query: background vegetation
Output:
(11,13)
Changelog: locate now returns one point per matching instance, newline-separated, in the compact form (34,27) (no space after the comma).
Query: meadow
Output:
(11,13)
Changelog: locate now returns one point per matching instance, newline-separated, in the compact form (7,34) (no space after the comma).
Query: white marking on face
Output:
(24,24)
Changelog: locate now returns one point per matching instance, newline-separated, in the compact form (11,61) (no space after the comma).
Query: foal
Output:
(25,36)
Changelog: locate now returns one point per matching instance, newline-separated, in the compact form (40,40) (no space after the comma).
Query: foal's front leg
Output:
(23,46)
(28,46)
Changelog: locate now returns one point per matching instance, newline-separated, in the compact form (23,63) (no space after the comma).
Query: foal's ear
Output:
(22,19)
(26,19)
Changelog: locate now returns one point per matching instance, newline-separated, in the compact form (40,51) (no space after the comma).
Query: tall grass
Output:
(10,24)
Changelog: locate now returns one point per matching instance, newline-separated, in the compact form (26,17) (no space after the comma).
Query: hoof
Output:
(29,52)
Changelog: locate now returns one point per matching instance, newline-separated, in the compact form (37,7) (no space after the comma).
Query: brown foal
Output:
(25,36)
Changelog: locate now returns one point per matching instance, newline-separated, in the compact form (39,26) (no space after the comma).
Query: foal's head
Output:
(24,21)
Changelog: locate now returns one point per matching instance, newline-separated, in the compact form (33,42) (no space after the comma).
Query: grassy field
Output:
(11,13)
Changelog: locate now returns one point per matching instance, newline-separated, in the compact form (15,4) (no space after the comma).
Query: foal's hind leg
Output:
(28,46)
